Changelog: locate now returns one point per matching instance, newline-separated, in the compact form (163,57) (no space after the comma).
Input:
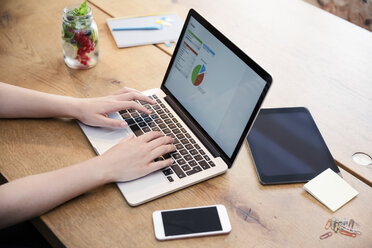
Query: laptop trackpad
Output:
(143,184)
(103,138)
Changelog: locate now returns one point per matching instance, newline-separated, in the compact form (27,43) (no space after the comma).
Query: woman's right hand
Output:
(133,157)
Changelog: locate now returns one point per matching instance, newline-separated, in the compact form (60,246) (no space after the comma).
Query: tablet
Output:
(287,147)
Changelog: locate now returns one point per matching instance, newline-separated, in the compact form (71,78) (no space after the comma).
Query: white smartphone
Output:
(191,222)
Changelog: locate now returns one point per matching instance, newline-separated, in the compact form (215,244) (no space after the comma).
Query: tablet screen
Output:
(287,146)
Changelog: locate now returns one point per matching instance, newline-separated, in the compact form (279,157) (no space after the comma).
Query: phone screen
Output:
(189,221)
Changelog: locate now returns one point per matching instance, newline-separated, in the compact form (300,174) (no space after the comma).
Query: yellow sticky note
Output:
(330,189)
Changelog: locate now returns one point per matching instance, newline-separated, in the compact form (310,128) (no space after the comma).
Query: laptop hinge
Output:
(193,127)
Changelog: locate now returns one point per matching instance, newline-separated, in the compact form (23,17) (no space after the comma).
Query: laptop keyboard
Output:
(189,158)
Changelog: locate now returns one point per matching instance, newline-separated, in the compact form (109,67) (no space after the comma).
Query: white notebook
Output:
(171,28)
(330,189)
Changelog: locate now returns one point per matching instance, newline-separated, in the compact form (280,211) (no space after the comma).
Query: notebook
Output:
(330,189)
(208,100)
(169,25)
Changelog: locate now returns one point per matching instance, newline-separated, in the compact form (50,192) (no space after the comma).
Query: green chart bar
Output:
(195,37)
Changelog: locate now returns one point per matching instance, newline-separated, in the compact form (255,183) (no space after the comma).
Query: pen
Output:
(138,28)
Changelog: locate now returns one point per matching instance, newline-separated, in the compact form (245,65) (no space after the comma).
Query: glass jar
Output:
(79,39)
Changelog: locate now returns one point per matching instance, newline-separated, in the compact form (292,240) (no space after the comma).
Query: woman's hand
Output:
(94,111)
(31,196)
(134,156)
(17,102)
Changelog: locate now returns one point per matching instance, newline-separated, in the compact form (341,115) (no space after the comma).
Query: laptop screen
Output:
(216,87)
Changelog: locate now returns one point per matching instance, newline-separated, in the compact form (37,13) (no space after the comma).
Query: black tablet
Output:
(287,146)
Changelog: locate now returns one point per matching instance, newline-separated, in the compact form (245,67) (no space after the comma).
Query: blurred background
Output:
(358,12)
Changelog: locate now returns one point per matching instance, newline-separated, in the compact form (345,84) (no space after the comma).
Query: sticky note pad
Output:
(330,189)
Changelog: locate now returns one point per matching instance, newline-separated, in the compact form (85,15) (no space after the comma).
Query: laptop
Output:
(208,101)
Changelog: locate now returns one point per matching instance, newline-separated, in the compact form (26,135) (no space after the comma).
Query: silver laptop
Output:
(209,98)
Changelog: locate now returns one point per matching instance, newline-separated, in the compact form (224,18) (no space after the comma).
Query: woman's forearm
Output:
(34,195)
(16,102)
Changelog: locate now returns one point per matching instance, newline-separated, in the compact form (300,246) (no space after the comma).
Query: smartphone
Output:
(191,222)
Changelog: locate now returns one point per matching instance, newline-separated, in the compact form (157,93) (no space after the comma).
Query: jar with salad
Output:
(79,37)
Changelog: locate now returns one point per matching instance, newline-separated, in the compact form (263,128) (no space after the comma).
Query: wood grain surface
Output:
(261,216)
(321,63)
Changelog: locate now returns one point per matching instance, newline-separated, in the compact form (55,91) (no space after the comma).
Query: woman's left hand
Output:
(94,111)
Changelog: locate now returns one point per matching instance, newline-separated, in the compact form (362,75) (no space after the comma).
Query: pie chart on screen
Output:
(198,75)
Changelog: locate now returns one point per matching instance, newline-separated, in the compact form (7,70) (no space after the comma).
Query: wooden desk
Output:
(317,60)
(261,216)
